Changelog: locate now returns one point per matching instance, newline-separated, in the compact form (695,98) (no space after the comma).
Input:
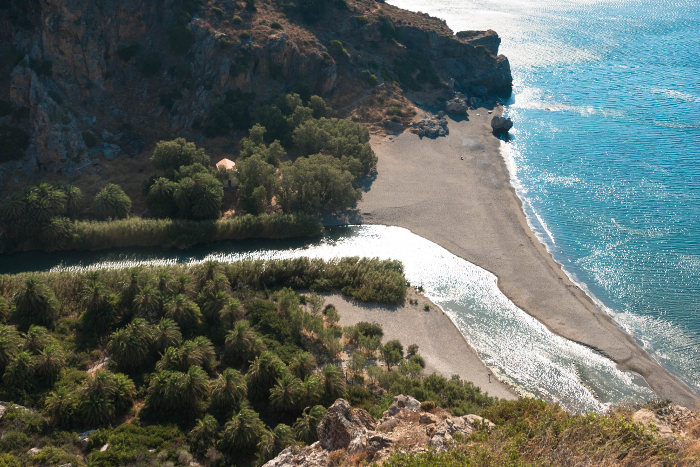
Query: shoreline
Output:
(444,348)
(470,207)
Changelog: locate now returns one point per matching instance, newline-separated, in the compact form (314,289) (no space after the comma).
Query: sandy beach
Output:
(469,207)
(440,343)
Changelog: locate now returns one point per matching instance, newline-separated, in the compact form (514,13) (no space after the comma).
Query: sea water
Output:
(605,151)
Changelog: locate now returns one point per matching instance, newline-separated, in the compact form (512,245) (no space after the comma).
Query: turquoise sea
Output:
(606,151)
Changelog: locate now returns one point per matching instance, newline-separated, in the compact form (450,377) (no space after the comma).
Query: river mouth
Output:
(517,347)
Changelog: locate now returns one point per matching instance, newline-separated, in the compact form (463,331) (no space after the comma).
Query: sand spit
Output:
(440,343)
(456,192)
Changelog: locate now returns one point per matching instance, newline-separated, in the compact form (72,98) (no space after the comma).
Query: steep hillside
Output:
(87,87)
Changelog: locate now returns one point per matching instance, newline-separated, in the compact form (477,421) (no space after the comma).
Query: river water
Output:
(518,348)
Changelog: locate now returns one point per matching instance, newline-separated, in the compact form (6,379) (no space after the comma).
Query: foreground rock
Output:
(433,126)
(501,125)
(671,422)
(404,427)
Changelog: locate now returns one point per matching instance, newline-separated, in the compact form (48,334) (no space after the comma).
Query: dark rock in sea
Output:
(501,125)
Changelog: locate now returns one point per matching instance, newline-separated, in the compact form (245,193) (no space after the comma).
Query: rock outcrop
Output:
(432,126)
(93,81)
(342,424)
(458,105)
(671,422)
(501,125)
(404,427)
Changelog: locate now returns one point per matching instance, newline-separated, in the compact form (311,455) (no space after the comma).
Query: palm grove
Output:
(225,363)
(295,162)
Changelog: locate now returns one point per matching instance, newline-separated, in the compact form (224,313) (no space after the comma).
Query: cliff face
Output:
(92,80)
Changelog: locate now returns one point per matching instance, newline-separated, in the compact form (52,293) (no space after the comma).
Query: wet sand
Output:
(469,207)
(440,343)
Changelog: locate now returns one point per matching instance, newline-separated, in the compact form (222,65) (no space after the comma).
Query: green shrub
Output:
(6,107)
(386,26)
(337,49)
(127,52)
(89,139)
(276,25)
(169,156)
(427,406)
(41,67)
(244,36)
(467,34)
(151,64)
(369,77)
(13,143)
(237,21)
(111,203)
(361,20)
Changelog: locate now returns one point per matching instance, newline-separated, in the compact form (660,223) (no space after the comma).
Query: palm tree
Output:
(35,303)
(311,391)
(124,393)
(241,344)
(200,351)
(305,426)
(227,393)
(287,393)
(263,374)
(182,284)
(147,303)
(9,344)
(177,396)
(4,309)
(302,365)
(130,347)
(100,309)
(230,313)
(36,339)
(19,374)
(74,200)
(61,405)
(185,312)
(211,304)
(333,381)
(173,359)
(241,433)
(128,291)
(273,442)
(49,362)
(197,385)
(96,401)
(203,435)
(166,334)
(164,282)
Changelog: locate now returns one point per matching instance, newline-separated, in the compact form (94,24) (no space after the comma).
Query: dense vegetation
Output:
(219,362)
(295,165)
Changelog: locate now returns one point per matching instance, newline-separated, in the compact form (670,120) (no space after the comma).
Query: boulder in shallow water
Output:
(501,125)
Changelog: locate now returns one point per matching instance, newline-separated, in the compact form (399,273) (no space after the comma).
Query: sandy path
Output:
(470,208)
(440,343)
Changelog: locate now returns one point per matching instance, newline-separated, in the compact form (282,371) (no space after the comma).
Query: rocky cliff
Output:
(349,436)
(84,81)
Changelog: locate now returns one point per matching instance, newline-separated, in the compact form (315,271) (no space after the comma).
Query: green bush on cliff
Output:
(13,143)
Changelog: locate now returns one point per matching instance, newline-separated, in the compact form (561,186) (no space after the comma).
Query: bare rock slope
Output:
(354,434)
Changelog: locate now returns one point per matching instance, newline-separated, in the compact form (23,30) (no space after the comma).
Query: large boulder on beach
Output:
(457,106)
(433,126)
(501,125)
